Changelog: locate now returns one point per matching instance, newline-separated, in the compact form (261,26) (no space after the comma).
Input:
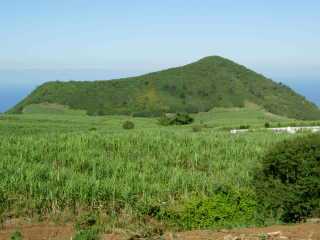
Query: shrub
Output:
(3,203)
(293,124)
(176,119)
(221,210)
(224,209)
(288,185)
(90,234)
(86,221)
(128,125)
(267,125)
(165,120)
(16,236)
(87,228)
(183,119)
(244,126)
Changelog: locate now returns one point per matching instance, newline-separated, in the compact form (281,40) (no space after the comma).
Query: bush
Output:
(128,125)
(267,125)
(90,234)
(3,205)
(16,236)
(183,119)
(176,119)
(87,228)
(293,124)
(288,185)
(244,126)
(86,221)
(165,120)
(224,209)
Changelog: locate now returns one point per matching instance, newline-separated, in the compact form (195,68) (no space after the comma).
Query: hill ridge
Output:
(210,82)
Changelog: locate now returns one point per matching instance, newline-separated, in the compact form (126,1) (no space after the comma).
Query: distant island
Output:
(197,87)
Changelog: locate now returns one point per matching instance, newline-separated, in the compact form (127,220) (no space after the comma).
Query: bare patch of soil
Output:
(39,231)
(286,232)
(47,230)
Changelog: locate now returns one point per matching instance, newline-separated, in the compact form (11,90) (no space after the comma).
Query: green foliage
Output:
(87,227)
(176,119)
(244,127)
(197,87)
(267,125)
(53,163)
(263,236)
(3,205)
(165,120)
(112,169)
(182,119)
(234,117)
(288,185)
(49,108)
(3,199)
(88,234)
(197,128)
(223,209)
(17,235)
(86,221)
(155,113)
(128,125)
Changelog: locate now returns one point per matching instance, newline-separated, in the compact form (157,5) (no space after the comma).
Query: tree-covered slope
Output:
(200,86)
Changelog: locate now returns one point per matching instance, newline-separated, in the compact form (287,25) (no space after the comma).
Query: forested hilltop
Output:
(197,87)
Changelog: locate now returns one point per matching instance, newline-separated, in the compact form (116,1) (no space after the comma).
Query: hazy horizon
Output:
(87,40)
(11,92)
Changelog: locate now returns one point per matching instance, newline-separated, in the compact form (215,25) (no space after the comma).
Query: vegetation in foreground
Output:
(288,184)
(147,179)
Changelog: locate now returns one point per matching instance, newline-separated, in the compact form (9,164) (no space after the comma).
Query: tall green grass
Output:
(56,163)
(58,171)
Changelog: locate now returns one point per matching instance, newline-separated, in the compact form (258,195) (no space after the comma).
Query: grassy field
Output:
(50,108)
(52,164)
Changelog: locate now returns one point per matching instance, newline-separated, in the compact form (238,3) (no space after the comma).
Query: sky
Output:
(101,39)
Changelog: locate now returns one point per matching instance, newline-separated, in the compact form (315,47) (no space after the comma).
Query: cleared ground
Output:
(51,231)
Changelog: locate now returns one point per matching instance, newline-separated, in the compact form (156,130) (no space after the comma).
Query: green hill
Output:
(198,87)
(52,108)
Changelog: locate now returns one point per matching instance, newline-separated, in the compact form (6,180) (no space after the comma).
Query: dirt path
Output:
(292,232)
(42,231)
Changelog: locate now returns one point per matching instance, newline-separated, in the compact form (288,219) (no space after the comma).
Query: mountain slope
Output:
(200,86)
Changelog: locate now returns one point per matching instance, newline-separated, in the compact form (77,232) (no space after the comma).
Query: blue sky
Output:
(82,39)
